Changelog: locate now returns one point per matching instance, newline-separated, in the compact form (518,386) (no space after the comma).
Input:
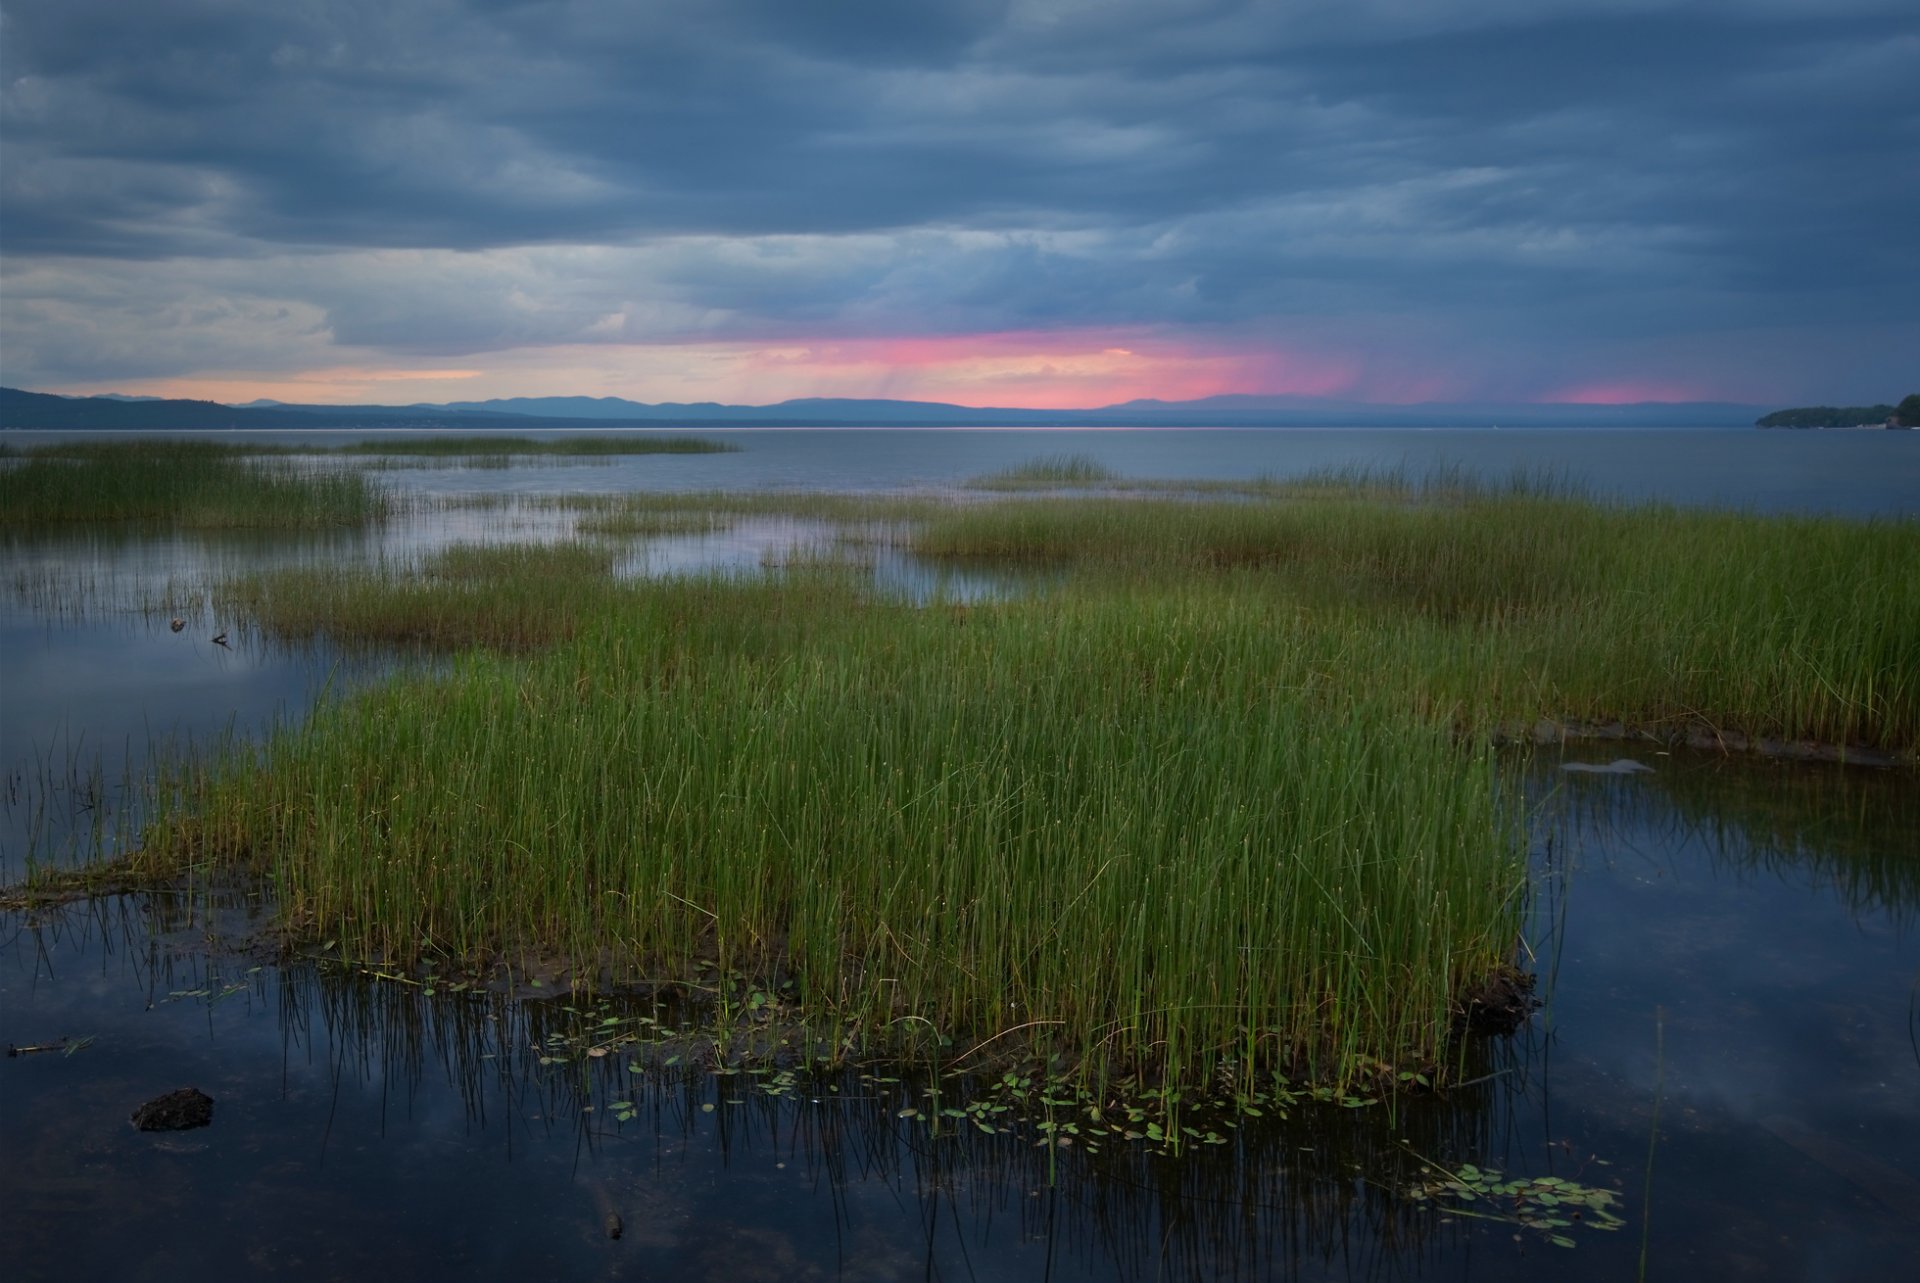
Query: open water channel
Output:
(1729,948)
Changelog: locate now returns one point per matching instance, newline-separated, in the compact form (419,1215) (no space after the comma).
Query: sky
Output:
(1047,203)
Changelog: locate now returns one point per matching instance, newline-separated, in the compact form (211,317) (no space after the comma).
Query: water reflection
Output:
(99,684)
(335,1088)
(1759,916)
(1780,981)
(1839,830)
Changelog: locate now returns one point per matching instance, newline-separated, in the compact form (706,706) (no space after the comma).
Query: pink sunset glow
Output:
(1047,371)
(1625,392)
(1044,370)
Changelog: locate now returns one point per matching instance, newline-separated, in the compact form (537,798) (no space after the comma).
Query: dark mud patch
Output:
(1700,736)
(1499,1004)
(177,1111)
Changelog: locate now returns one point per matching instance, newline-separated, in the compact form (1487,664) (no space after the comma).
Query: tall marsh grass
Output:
(1049,472)
(1218,798)
(1142,835)
(180,483)
(508,597)
(1491,609)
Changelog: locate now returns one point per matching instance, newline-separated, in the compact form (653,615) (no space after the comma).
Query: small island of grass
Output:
(1219,801)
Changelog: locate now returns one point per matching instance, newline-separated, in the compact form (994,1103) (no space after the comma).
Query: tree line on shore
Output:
(1904,415)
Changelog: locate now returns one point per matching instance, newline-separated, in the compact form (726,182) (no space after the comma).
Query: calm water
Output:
(1736,943)
(1856,473)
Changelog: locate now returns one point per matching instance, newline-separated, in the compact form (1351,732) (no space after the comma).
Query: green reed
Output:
(1049,472)
(180,483)
(1219,795)
(1138,834)
(511,597)
(1495,608)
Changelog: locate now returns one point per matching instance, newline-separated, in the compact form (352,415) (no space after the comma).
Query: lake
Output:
(1730,1047)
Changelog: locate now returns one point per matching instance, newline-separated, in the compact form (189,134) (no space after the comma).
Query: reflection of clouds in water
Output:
(751,545)
(903,575)
(1746,899)
(745,544)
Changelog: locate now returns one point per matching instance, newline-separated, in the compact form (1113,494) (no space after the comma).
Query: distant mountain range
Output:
(20,409)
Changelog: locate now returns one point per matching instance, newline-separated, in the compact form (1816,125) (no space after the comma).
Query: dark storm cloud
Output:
(1554,169)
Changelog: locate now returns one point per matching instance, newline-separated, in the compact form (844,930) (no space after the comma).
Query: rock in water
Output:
(1499,1004)
(613,1225)
(177,1111)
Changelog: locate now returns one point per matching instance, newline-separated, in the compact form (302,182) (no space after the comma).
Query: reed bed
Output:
(1049,472)
(188,484)
(1446,483)
(1217,799)
(913,818)
(508,597)
(1495,609)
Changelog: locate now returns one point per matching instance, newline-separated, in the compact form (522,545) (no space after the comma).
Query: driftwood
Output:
(68,1045)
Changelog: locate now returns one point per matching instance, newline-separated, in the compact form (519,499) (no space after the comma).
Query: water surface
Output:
(1731,944)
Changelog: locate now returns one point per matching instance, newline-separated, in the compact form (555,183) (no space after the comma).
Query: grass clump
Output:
(187,484)
(508,597)
(1217,800)
(1049,472)
(912,816)
(1492,609)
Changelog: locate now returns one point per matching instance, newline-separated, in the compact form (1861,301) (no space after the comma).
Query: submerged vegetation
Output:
(1215,803)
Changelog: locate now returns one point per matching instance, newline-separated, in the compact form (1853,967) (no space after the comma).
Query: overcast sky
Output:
(994,202)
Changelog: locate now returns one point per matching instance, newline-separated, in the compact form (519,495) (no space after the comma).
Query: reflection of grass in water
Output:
(1285,1183)
(925,813)
(1848,829)
(180,483)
